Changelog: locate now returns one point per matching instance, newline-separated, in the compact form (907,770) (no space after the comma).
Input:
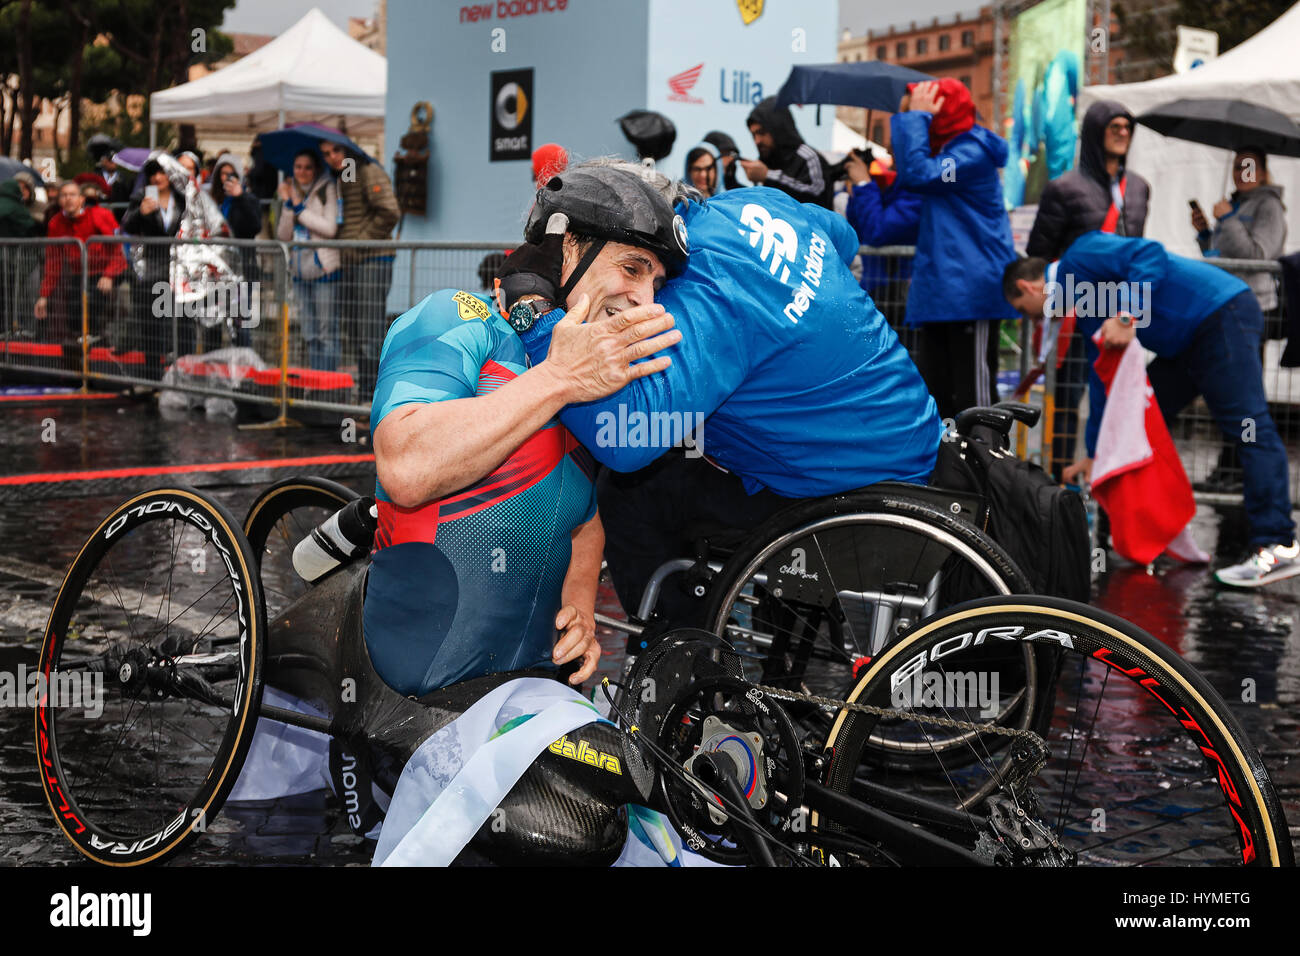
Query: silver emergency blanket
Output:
(204,277)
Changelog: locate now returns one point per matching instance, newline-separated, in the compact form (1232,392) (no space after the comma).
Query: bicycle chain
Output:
(784,694)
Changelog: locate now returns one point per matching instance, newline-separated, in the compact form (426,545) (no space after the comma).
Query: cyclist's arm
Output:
(434,435)
(576,620)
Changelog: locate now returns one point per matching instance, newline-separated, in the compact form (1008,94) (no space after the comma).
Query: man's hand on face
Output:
(577,640)
(755,170)
(594,359)
(1116,335)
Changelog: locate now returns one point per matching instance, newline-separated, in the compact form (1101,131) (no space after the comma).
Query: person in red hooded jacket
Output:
(60,298)
(962,245)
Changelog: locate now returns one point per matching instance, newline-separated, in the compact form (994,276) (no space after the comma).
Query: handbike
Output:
(1138,760)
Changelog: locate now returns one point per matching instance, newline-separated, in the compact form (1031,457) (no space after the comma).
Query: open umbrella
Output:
(1228,124)
(280,146)
(873,84)
(9,168)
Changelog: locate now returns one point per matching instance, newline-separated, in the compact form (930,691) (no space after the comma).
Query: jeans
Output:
(364,300)
(320,321)
(1222,365)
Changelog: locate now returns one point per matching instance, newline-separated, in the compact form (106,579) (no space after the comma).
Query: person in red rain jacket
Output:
(60,299)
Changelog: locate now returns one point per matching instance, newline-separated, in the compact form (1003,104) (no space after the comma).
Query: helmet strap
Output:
(580,270)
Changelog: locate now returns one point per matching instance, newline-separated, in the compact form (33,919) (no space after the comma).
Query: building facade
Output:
(960,47)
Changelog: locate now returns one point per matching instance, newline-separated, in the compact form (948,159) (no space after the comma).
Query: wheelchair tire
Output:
(883,541)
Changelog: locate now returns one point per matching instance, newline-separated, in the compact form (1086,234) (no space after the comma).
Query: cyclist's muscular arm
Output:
(436,436)
(576,620)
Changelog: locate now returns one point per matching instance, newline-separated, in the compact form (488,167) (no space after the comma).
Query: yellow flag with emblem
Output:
(750,10)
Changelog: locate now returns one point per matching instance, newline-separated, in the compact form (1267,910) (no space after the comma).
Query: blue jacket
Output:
(1169,295)
(801,385)
(965,237)
(889,218)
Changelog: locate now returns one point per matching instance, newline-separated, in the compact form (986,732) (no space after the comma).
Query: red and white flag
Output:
(1137,476)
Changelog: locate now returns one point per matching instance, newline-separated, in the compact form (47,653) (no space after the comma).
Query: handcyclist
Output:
(488,539)
(802,387)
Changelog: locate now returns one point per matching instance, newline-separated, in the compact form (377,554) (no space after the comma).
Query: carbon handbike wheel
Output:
(152,670)
(1147,765)
(277,521)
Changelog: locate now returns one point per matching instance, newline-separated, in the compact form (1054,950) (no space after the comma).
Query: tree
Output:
(1147,28)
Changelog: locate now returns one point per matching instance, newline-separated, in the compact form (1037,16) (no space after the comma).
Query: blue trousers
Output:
(1221,364)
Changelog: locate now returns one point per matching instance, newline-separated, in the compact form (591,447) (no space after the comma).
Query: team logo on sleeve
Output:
(470,307)
(679,233)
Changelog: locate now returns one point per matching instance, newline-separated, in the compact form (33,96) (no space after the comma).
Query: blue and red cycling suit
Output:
(470,584)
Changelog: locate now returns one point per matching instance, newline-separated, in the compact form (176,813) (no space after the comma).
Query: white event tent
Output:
(312,71)
(1264,70)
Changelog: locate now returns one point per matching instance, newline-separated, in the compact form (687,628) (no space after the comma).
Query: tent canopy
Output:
(1263,70)
(311,70)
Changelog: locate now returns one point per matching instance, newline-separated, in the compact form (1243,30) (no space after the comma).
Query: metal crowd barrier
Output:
(315,338)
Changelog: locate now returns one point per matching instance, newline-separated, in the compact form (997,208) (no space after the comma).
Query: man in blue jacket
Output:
(963,244)
(787,376)
(1204,326)
(882,213)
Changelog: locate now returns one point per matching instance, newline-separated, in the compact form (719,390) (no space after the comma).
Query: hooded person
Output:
(1099,194)
(704,170)
(16,220)
(728,151)
(785,161)
(963,242)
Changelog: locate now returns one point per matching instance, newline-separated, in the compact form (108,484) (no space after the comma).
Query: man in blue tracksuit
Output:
(882,213)
(787,376)
(963,245)
(1204,325)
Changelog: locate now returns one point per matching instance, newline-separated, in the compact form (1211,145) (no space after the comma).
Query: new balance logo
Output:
(780,241)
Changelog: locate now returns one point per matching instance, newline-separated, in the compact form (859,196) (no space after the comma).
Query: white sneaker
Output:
(1266,565)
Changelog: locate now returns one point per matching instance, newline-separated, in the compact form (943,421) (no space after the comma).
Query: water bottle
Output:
(344,535)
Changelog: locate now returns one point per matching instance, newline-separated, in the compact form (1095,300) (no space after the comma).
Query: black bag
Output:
(1040,524)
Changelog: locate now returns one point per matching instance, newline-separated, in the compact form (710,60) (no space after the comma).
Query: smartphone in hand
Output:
(151,192)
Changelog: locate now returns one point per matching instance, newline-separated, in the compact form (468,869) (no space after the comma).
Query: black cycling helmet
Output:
(611,204)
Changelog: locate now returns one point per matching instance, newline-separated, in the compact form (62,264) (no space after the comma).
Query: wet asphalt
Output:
(1247,644)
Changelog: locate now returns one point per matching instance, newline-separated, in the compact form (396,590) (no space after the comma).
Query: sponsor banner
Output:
(511,115)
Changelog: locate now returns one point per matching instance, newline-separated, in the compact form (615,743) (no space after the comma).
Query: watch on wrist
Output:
(524,314)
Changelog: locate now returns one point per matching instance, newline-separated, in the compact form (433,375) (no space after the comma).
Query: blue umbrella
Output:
(872,84)
(282,145)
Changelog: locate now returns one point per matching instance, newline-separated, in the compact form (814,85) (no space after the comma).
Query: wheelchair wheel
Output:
(1146,763)
(152,677)
(821,588)
(282,516)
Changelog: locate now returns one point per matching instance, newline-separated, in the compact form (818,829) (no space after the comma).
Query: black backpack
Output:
(1040,524)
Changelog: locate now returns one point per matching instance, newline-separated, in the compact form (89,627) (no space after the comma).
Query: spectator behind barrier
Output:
(1099,194)
(1204,326)
(963,244)
(310,211)
(59,304)
(368,210)
(785,161)
(728,152)
(1249,224)
(702,170)
(882,213)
